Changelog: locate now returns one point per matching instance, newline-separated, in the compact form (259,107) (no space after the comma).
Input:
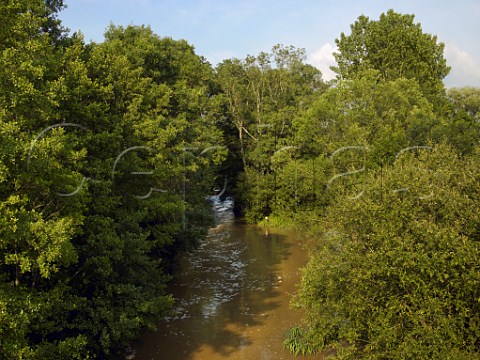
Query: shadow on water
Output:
(232,297)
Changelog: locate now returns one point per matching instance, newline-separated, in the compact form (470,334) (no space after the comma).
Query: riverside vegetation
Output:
(109,150)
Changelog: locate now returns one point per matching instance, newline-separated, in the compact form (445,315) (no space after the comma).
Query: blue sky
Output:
(224,29)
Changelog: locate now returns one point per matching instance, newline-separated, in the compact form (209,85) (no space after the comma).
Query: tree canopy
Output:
(102,180)
(109,151)
(396,47)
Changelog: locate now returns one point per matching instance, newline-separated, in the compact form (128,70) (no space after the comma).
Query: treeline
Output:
(108,152)
(381,167)
(387,163)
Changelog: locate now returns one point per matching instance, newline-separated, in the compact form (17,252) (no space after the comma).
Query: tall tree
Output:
(38,162)
(52,24)
(393,271)
(81,235)
(396,47)
(262,96)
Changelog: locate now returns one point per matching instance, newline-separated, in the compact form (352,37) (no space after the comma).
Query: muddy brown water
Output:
(232,296)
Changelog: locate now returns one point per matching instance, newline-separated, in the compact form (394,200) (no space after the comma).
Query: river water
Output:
(232,296)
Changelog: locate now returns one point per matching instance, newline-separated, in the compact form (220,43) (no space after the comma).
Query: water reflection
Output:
(232,296)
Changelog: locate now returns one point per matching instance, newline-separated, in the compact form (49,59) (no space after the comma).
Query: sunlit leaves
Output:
(396,47)
(395,273)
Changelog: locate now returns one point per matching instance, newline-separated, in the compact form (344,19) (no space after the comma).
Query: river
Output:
(232,296)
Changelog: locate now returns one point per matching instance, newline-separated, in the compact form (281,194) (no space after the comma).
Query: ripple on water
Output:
(231,298)
(223,274)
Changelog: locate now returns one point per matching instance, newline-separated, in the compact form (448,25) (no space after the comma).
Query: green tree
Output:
(262,95)
(53,25)
(395,273)
(396,47)
(351,128)
(460,127)
(145,105)
(81,237)
(466,99)
(37,227)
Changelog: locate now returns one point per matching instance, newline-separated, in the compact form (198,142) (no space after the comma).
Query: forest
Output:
(108,152)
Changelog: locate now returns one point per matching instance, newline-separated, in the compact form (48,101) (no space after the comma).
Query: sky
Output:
(223,29)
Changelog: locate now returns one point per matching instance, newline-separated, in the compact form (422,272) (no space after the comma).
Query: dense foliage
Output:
(108,152)
(396,47)
(394,271)
(396,274)
(102,177)
(262,96)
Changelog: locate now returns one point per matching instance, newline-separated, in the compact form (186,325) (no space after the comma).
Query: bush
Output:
(396,273)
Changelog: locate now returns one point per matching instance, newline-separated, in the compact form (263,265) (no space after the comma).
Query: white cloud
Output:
(322,59)
(465,68)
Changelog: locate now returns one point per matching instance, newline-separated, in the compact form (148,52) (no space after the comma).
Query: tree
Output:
(80,236)
(466,99)
(396,47)
(392,273)
(144,100)
(460,126)
(352,128)
(37,227)
(262,95)
(53,25)
(395,273)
